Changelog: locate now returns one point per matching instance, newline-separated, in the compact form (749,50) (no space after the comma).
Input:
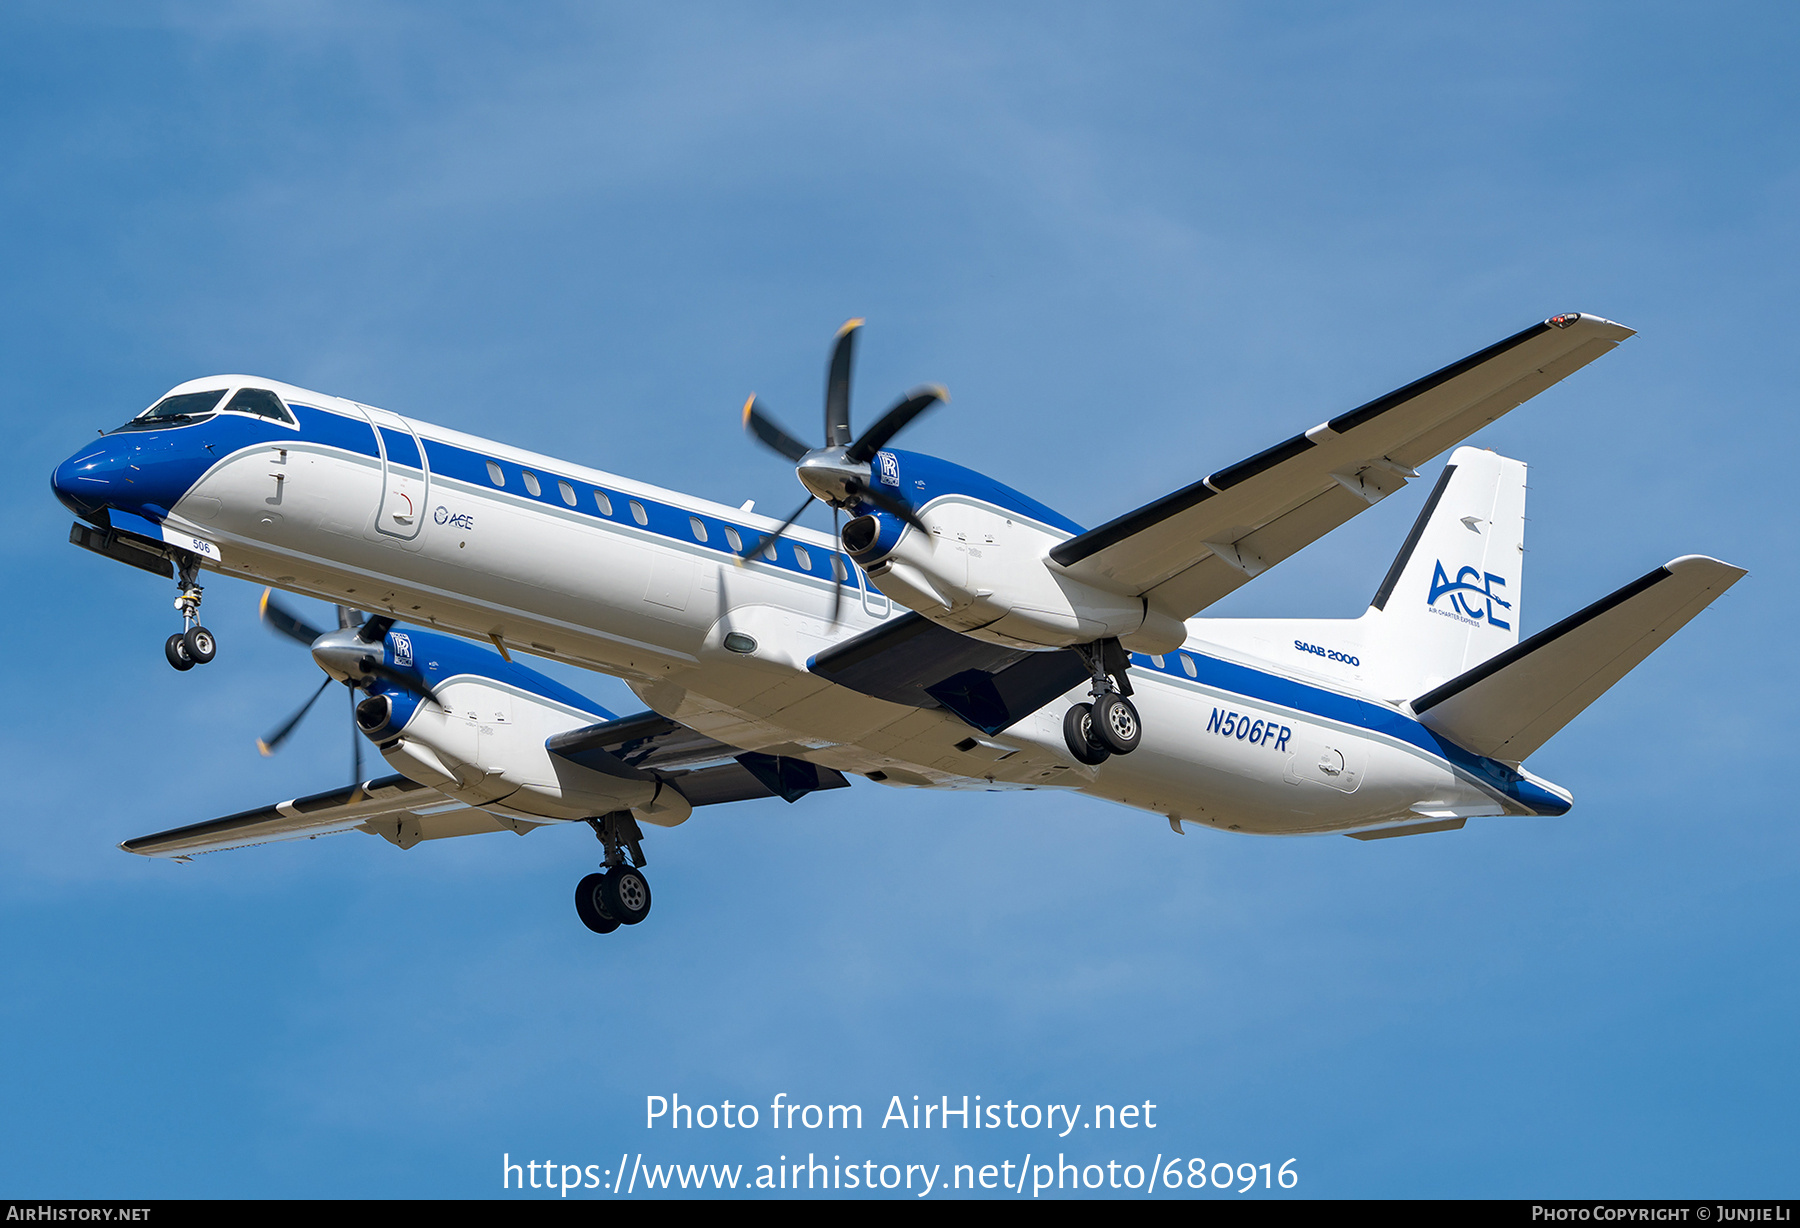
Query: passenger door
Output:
(405,480)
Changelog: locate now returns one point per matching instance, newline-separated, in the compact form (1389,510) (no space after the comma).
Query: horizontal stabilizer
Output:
(1512,704)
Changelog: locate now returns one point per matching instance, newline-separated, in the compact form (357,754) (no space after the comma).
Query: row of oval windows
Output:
(698,528)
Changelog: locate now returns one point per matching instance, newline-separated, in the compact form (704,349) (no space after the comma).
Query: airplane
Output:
(954,633)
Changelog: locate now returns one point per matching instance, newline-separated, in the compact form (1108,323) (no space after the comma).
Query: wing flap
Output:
(914,661)
(1259,511)
(1512,704)
(708,772)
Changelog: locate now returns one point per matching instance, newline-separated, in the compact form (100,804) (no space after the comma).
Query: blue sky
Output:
(1137,243)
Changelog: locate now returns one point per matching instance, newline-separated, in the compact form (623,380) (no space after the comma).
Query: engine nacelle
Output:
(486,747)
(987,574)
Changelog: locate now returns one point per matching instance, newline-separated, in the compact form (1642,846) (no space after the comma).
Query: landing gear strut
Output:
(194,645)
(621,894)
(1110,725)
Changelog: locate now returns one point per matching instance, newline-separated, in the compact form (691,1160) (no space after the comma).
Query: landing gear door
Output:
(405,480)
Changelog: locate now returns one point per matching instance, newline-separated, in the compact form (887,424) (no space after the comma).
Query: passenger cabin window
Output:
(531,482)
(769,550)
(176,410)
(837,569)
(494,474)
(638,514)
(262,403)
(603,503)
(733,540)
(1187,664)
(802,557)
(698,528)
(568,493)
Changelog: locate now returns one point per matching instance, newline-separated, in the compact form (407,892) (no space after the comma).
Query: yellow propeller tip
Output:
(849,325)
(262,607)
(749,404)
(264,747)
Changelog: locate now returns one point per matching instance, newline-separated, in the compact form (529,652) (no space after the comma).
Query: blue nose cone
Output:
(92,479)
(142,472)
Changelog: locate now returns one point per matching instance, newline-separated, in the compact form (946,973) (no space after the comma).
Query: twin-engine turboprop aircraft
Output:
(954,634)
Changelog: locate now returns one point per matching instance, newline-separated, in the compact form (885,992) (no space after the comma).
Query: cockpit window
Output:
(262,402)
(177,410)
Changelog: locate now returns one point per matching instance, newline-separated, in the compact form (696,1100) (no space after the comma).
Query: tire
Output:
(1078,732)
(175,649)
(200,645)
(1116,723)
(588,906)
(626,894)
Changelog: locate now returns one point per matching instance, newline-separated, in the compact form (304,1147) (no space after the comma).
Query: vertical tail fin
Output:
(1451,600)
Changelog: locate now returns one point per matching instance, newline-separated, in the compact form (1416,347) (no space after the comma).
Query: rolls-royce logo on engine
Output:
(890,469)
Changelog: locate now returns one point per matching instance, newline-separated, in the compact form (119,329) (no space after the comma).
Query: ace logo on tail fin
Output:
(1471,594)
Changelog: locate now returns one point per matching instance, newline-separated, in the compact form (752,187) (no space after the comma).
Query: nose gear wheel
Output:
(193,644)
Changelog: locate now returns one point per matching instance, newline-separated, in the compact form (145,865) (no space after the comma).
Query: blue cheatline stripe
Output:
(1358,713)
(671,521)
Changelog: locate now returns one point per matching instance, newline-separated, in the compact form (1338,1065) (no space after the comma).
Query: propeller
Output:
(838,473)
(349,657)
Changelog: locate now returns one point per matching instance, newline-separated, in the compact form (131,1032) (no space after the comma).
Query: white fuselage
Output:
(649,589)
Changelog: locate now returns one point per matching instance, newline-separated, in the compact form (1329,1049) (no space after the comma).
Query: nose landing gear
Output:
(621,894)
(194,645)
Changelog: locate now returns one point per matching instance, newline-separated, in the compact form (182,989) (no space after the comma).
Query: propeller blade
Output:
(894,421)
(387,673)
(272,743)
(290,625)
(759,424)
(376,629)
(888,503)
(837,579)
(837,386)
(356,742)
(785,526)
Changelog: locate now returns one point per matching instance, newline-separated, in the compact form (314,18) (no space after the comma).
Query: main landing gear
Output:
(620,895)
(194,645)
(1108,726)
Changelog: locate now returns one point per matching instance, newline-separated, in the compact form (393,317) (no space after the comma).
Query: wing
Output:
(401,810)
(1188,549)
(404,812)
(705,770)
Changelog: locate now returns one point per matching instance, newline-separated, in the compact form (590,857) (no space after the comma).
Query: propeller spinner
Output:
(351,655)
(838,473)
